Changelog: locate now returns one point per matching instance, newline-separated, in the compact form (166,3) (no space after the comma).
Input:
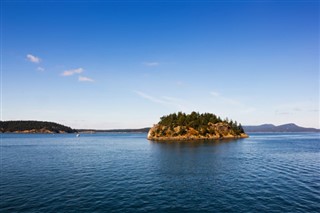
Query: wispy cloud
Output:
(85,79)
(171,99)
(41,69)
(225,99)
(72,72)
(215,94)
(278,112)
(33,59)
(295,108)
(150,98)
(232,102)
(164,100)
(151,64)
(313,110)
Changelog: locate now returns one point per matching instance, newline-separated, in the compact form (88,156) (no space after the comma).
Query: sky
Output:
(124,64)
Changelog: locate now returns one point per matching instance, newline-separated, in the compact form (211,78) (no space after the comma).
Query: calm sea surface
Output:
(127,173)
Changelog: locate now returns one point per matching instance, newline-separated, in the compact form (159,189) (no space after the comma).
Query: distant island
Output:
(33,127)
(281,128)
(195,126)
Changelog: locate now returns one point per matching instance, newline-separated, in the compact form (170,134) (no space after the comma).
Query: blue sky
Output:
(124,64)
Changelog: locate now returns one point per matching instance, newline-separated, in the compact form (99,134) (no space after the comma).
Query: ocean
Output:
(110,172)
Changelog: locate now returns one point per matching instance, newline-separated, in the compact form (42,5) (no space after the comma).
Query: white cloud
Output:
(72,72)
(82,78)
(33,59)
(165,101)
(151,64)
(41,69)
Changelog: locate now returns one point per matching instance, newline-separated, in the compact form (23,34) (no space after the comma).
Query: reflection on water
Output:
(194,143)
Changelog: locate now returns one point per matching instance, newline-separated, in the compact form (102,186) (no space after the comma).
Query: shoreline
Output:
(196,138)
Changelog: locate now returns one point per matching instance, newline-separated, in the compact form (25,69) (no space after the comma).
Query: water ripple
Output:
(127,173)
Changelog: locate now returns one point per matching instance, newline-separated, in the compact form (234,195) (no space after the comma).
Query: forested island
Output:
(195,126)
(33,127)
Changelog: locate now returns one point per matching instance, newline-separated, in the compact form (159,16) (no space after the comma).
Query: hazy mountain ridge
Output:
(290,127)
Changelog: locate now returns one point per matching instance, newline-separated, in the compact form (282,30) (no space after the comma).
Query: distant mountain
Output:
(282,128)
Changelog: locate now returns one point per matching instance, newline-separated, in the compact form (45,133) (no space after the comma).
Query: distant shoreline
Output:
(144,132)
(140,130)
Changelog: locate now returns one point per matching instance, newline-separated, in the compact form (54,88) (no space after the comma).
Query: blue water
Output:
(127,173)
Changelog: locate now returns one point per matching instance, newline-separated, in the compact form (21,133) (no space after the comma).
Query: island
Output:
(195,126)
(290,128)
(33,127)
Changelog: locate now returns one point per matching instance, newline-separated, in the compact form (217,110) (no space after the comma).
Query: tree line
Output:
(12,126)
(197,121)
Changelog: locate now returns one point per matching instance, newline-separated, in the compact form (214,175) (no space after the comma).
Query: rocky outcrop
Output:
(212,131)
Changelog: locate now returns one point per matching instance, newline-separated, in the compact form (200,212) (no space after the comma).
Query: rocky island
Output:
(33,127)
(195,126)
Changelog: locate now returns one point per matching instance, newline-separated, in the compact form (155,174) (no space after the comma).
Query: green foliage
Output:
(12,126)
(197,121)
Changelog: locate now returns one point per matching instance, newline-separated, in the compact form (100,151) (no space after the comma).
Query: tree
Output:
(197,121)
